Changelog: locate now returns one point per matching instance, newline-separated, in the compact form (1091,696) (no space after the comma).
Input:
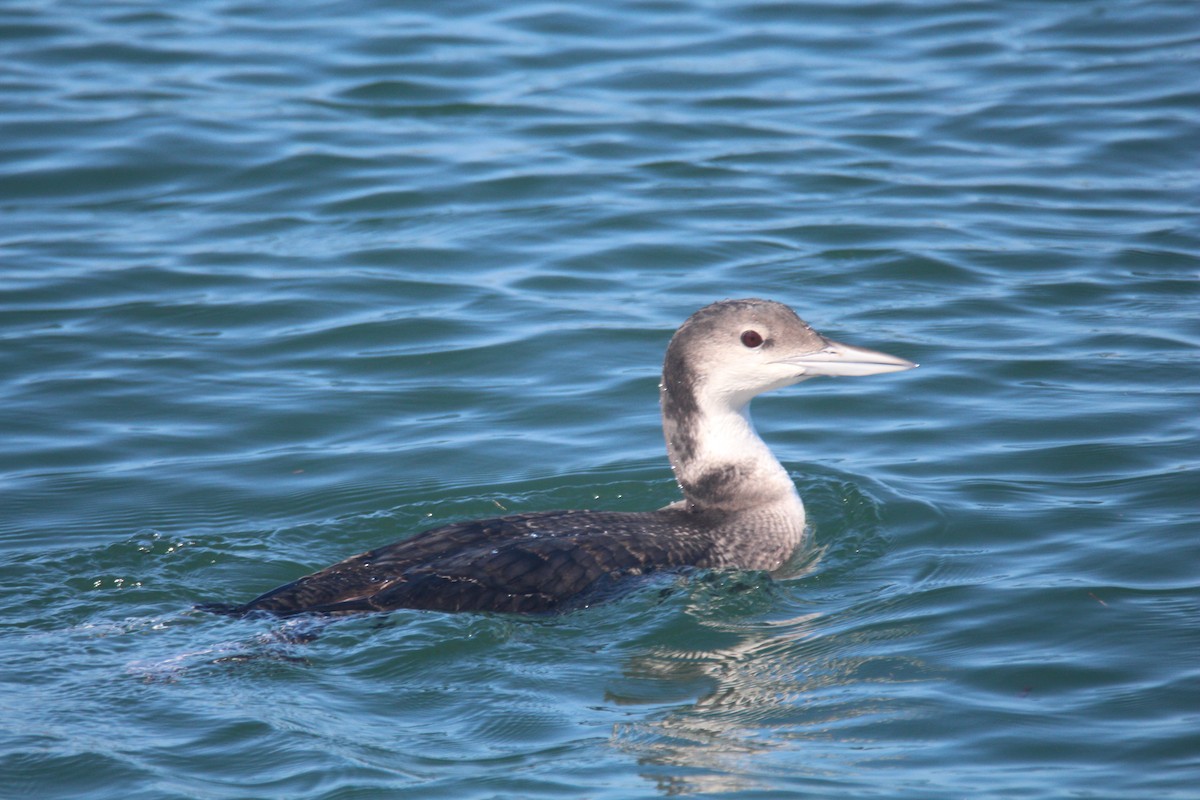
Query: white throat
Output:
(729,466)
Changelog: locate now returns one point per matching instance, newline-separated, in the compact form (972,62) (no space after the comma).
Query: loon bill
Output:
(739,510)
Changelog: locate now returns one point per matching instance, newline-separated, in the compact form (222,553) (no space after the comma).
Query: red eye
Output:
(751,338)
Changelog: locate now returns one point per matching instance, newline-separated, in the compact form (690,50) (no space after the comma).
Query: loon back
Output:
(739,509)
(525,562)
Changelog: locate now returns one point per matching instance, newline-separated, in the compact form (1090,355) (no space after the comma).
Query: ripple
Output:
(281,284)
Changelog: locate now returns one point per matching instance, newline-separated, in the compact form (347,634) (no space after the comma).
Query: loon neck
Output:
(720,462)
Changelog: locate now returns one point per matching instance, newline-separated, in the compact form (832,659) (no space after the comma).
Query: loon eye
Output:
(752,339)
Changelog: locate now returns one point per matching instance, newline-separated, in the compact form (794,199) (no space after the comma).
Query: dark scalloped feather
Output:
(526,563)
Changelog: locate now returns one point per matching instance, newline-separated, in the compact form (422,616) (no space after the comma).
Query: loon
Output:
(740,509)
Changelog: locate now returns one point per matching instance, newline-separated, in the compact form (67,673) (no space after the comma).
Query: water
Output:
(281,282)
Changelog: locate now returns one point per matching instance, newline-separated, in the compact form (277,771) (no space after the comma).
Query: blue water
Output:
(283,282)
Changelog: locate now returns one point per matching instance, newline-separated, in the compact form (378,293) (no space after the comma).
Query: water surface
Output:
(280,283)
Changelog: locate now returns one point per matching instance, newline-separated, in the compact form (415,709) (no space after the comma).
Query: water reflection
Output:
(749,709)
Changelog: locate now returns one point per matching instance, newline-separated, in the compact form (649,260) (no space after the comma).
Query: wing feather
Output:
(527,562)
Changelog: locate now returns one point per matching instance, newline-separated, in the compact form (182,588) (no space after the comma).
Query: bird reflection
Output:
(761,688)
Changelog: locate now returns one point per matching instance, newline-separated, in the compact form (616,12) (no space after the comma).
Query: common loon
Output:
(739,509)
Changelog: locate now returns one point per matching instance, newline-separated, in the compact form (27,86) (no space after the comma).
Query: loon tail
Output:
(224,609)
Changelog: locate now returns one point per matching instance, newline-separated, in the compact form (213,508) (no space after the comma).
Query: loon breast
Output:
(739,508)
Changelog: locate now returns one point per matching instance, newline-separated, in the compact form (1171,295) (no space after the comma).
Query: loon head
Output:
(729,352)
(718,361)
